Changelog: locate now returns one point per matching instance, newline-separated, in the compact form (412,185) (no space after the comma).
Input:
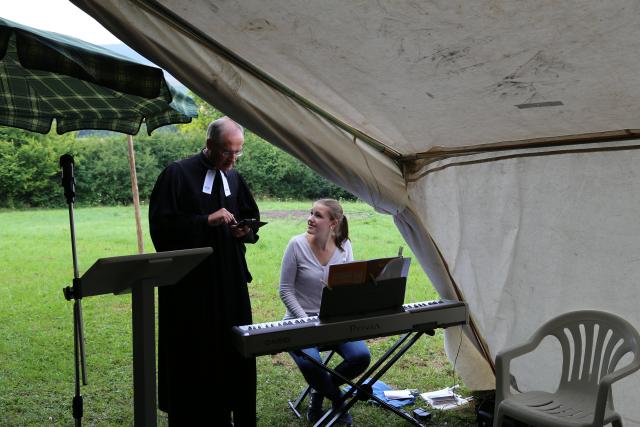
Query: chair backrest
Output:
(593,343)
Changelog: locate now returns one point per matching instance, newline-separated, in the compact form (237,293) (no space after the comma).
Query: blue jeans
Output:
(356,358)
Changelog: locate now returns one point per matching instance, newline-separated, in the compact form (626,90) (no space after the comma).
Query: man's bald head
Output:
(225,139)
(219,127)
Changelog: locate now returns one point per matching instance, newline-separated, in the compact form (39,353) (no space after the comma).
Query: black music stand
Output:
(139,274)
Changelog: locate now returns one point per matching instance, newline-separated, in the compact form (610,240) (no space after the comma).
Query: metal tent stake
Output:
(73,292)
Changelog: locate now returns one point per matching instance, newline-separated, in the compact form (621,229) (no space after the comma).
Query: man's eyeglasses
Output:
(227,153)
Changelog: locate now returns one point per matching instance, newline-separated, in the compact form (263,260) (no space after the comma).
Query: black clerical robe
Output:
(196,315)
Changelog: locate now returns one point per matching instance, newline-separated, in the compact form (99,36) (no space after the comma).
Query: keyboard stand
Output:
(361,391)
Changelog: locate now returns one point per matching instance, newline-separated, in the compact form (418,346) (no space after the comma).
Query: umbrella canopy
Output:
(46,76)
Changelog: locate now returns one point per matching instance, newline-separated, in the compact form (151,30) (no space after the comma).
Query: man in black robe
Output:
(196,202)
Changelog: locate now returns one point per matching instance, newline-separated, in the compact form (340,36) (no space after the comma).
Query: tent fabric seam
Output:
(515,156)
(438,152)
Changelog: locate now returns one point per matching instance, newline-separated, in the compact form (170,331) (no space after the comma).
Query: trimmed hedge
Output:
(30,176)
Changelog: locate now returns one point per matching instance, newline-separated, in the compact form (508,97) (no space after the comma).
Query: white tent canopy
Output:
(499,135)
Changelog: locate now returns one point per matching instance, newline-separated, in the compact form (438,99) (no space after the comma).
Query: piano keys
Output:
(293,334)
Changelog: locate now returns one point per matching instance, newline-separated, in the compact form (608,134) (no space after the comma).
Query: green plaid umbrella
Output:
(46,76)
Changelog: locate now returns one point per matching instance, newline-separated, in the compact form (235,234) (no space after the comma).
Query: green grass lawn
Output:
(36,335)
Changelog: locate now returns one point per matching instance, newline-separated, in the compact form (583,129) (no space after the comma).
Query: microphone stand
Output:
(73,292)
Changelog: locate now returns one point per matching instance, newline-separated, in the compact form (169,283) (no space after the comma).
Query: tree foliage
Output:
(30,175)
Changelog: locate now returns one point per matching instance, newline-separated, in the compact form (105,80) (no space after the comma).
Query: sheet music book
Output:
(356,272)
(360,272)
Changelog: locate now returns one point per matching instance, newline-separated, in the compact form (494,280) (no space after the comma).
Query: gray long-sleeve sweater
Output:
(302,277)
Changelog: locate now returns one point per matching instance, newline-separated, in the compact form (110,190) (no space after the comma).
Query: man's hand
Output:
(221,216)
(239,232)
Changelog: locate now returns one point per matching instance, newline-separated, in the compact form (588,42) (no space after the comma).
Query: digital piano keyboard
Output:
(294,334)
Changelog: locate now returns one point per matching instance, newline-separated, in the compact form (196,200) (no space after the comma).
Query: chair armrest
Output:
(604,388)
(503,362)
(620,373)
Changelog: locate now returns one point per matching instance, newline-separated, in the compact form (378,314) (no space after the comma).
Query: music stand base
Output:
(144,355)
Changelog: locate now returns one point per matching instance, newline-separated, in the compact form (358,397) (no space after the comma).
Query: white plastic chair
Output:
(583,397)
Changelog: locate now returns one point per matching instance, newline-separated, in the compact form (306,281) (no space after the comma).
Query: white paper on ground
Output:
(398,394)
(445,398)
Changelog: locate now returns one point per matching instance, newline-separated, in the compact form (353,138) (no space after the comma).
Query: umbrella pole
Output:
(134,190)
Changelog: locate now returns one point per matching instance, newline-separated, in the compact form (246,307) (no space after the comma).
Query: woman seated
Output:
(303,274)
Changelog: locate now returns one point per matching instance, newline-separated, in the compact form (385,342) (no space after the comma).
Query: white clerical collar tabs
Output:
(225,184)
(208,182)
(210,178)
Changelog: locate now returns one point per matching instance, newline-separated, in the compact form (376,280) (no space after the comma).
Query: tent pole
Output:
(134,190)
